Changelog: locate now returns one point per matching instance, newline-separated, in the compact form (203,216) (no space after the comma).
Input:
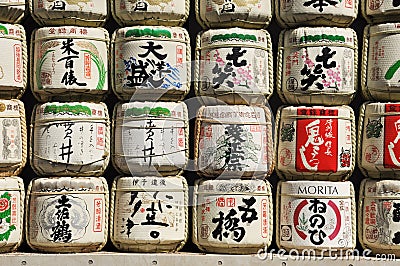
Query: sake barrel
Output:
(378,11)
(150,138)
(233,141)
(237,13)
(232,216)
(149,214)
(12,201)
(316,215)
(70,139)
(378,216)
(317,66)
(378,135)
(315,143)
(294,13)
(151,12)
(69,63)
(12,11)
(380,78)
(234,66)
(14,63)
(13,133)
(88,13)
(151,63)
(67,214)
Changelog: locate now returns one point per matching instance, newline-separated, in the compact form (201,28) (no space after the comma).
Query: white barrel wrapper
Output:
(150,138)
(12,201)
(69,63)
(294,13)
(70,139)
(317,143)
(150,12)
(378,216)
(151,63)
(234,65)
(88,13)
(380,74)
(316,215)
(149,214)
(232,216)
(379,146)
(13,135)
(12,11)
(234,141)
(14,63)
(237,13)
(67,214)
(317,66)
(378,11)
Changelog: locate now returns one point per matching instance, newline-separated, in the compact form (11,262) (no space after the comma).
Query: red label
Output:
(98,215)
(391,157)
(317,141)
(18,63)
(265,217)
(88,66)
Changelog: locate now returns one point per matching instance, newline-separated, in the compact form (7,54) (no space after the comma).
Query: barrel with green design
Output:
(69,63)
(380,75)
(12,197)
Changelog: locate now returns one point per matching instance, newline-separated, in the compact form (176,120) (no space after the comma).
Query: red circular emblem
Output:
(4,204)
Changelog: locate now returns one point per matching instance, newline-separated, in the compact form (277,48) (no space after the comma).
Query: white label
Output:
(68,63)
(148,140)
(154,216)
(68,218)
(234,147)
(12,73)
(382,7)
(239,220)
(239,69)
(92,6)
(151,64)
(383,62)
(294,9)
(164,8)
(226,11)
(70,142)
(321,221)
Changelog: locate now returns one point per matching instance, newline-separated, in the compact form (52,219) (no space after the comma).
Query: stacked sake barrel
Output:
(67,205)
(232,202)
(316,134)
(379,127)
(13,133)
(151,76)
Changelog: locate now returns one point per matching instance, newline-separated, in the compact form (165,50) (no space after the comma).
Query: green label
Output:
(323,37)
(71,109)
(148,32)
(157,111)
(5,217)
(234,36)
(3,30)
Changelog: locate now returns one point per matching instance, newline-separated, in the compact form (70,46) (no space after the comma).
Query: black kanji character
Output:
(234,56)
(396,212)
(67,47)
(246,209)
(317,220)
(315,208)
(317,236)
(69,78)
(61,232)
(151,48)
(223,75)
(320,4)
(327,54)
